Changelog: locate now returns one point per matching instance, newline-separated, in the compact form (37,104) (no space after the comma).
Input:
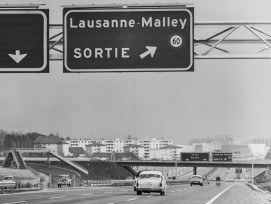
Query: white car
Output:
(196,179)
(151,181)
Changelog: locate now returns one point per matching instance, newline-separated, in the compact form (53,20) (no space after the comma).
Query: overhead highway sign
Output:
(221,157)
(24,41)
(195,156)
(126,40)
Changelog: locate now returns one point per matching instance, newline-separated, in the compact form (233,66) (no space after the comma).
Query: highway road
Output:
(233,192)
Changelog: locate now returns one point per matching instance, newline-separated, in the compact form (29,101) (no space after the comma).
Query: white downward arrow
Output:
(17,57)
(150,50)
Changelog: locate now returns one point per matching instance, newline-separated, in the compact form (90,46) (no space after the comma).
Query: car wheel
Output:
(162,193)
(139,192)
(191,184)
(201,184)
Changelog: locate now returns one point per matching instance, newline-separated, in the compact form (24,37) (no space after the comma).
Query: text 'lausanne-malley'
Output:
(131,23)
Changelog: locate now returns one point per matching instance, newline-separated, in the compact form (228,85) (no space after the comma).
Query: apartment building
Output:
(117,145)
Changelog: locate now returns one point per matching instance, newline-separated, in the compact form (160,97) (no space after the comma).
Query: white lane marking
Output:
(179,190)
(57,197)
(132,199)
(214,173)
(228,175)
(217,196)
(15,202)
(87,194)
(109,192)
(172,191)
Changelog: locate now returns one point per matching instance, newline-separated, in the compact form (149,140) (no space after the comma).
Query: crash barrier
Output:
(96,183)
(177,182)
(117,183)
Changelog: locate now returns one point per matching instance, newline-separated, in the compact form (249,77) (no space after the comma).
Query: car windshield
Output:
(149,176)
(8,178)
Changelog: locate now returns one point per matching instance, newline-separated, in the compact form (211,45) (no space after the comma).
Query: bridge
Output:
(235,164)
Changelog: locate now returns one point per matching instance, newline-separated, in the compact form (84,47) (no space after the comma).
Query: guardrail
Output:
(117,183)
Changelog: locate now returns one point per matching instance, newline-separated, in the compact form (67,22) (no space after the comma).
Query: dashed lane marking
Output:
(132,199)
(87,194)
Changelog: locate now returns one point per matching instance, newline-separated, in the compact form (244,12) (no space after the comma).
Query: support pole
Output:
(194,170)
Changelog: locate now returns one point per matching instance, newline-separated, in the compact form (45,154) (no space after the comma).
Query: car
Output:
(151,181)
(196,179)
(129,178)
(9,179)
(63,180)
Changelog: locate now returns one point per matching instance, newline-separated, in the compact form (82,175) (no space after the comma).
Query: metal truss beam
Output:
(212,40)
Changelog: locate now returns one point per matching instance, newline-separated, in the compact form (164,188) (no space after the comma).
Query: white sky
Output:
(219,97)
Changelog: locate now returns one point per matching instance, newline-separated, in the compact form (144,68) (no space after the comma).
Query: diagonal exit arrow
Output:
(17,57)
(150,51)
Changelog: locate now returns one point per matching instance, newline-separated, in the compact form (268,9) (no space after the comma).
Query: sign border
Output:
(45,42)
(68,69)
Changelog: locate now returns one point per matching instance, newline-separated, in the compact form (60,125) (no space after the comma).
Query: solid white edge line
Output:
(15,202)
(229,174)
(218,195)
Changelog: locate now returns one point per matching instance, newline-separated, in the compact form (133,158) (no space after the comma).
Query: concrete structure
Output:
(63,149)
(117,145)
(258,150)
(206,147)
(136,149)
(169,152)
(50,143)
(95,148)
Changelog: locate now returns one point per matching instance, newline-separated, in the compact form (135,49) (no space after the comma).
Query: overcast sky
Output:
(220,97)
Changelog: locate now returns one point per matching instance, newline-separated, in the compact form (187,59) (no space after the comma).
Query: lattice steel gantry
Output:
(212,40)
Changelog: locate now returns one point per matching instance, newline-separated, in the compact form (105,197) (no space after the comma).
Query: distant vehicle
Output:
(151,181)
(129,178)
(8,180)
(63,180)
(218,179)
(196,179)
